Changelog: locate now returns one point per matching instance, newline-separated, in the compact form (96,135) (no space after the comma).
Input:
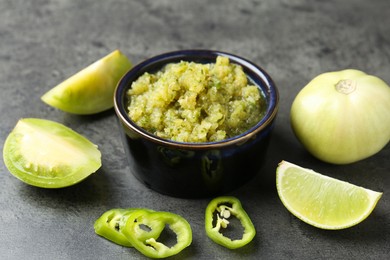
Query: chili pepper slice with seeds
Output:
(147,244)
(111,223)
(218,211)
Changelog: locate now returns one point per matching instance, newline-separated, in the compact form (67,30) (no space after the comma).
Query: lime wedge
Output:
(322,201)
(90,90)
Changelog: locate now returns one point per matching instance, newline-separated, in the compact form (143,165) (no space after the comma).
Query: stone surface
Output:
(45,41)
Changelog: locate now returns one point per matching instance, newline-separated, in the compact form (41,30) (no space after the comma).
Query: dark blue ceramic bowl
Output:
(195,170)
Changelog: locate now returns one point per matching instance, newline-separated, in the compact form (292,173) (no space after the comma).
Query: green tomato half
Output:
(48,154)
(91,90)
(342,117)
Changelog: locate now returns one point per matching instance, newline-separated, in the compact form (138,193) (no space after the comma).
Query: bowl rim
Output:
(194,54)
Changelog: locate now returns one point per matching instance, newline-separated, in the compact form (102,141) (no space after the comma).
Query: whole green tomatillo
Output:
(342,117)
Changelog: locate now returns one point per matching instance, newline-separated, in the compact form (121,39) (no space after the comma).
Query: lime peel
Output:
(322,201)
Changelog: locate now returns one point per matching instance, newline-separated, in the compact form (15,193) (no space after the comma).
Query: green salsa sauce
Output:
(193,102)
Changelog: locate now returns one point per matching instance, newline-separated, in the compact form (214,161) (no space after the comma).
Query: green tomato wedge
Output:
(48,154)
(91,90)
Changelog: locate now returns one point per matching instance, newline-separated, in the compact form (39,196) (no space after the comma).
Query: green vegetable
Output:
(48,154)
(143,228)
(218,211)
(110,225)
(343,116)
(91,90)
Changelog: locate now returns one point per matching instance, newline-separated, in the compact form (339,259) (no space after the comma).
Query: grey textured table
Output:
(43,42)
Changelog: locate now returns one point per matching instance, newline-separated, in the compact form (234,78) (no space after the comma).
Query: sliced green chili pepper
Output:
(109,226)
(111,223)
(218,211)
(147,244)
